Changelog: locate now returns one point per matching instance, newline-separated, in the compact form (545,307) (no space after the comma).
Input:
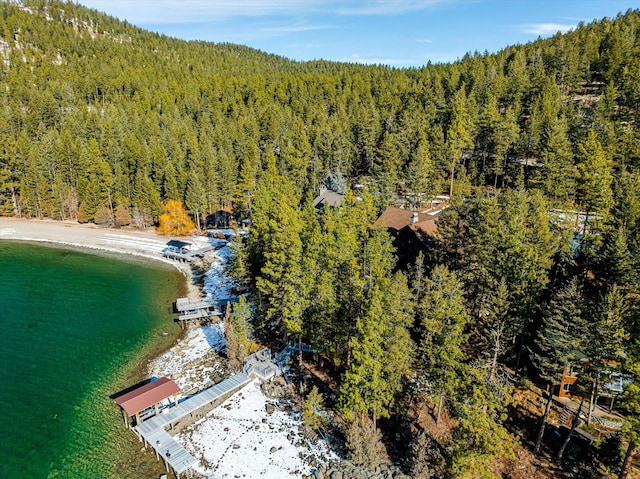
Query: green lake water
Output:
(75,328)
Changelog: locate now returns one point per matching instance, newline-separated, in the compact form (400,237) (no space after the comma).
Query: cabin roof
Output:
(146,396)
(178,244)
(329,198)
(397,218)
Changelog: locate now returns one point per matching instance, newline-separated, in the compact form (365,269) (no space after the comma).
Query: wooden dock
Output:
(184,305)
(187,256)
(153,431)
(194,310)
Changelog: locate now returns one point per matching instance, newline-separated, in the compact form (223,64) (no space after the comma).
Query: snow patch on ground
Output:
(240,439)
(194,362)
(218,284)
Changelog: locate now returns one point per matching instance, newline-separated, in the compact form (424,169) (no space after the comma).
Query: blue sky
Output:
(398,33)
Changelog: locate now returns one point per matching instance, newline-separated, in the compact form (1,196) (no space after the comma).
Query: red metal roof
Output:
(146,396)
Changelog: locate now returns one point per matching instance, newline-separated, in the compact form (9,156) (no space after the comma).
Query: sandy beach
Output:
(146,243)
(143,243)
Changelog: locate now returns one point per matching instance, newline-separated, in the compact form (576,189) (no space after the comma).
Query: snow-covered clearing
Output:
(241,439)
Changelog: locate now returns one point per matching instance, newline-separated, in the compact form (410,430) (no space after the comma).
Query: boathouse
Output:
(195,310)
(150,395)
(183,251)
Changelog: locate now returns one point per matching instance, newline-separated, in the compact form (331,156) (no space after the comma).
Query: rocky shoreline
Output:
(343,469)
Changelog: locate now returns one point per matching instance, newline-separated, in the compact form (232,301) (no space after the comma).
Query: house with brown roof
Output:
(412,231)
(613,380)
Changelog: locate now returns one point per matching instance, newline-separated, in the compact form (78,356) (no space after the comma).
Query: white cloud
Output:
(423,40)
(158,12)
(545,28)
(386,7)
(296,27)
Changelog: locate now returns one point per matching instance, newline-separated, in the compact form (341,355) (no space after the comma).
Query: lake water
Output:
(75,328)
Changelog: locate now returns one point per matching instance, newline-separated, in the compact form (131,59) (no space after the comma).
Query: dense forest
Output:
(103,122)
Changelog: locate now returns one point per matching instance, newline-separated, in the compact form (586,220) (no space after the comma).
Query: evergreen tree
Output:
(480,438)
(276,254)
(558,342)
(240,319)
(441,345)
(195,197)
(460,132)
(420,172)
(606,338)
(557,158)
(594,178)
(313,410)
(631,402)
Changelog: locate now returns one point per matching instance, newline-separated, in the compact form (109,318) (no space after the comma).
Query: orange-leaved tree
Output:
(175,220)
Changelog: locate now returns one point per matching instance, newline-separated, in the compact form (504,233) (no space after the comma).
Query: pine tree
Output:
(631,402)
(443,324)
(122,216)
(364,442)
(557,158)
(479,437)
(195,199)
(275,254)
(606,338)
(313,410)
(381,347)
(364,390)
(558,342)
(420,172)
(241,321)
(594,178)
(460,132)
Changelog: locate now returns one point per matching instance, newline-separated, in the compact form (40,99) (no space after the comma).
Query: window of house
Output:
(574,370)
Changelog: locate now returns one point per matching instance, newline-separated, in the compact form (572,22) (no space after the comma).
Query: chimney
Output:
(414,218)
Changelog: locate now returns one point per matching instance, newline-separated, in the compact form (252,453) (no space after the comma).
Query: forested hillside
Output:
(101,121)
(100,113)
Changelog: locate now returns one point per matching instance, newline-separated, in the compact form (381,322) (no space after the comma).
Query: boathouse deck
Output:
(184,305)
(198,315)
(186,255)
(192,310)
(259,364)
(153,430)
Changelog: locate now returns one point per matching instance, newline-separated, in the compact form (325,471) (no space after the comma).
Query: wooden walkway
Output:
(198,315)
(153,431)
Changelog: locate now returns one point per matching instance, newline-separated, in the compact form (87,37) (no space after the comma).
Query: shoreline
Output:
(276,441)
(93,239)
(124,245)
